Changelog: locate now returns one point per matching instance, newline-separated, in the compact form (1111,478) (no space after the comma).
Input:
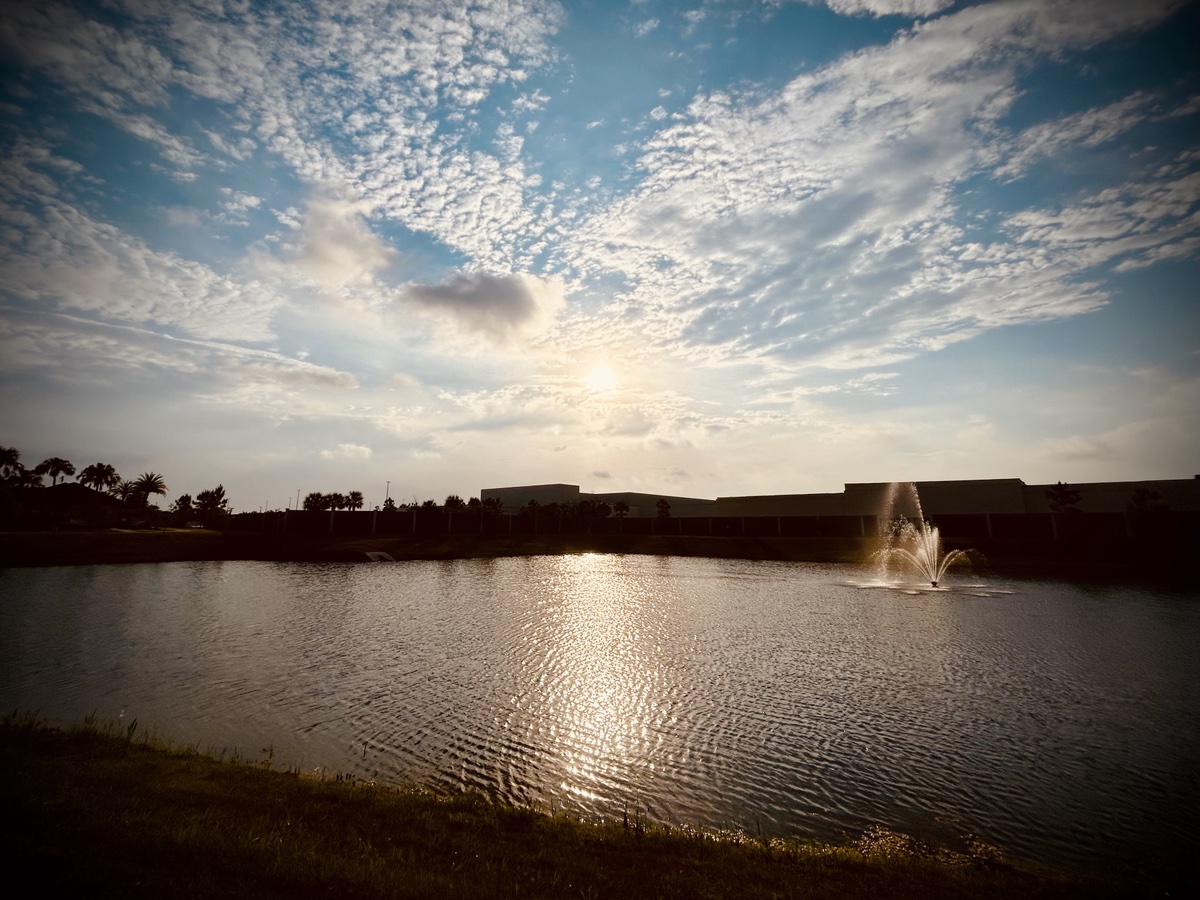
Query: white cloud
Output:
(347,451)
(65,259)
(820,225)
(336,248)
(1087,129)
(910,8)
(1144,221)
(69,348)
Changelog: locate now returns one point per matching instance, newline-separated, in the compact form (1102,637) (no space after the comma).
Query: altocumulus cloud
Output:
(501,307)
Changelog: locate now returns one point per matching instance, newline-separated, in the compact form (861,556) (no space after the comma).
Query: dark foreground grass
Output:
(88,812)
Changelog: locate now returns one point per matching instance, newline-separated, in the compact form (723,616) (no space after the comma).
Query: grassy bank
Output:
(174,545)
(105,814)
(31,548)
(85,548)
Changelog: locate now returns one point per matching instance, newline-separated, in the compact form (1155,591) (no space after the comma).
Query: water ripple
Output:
(1055,721)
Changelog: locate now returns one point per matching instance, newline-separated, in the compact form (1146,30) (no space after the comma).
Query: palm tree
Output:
(11,470)
(54,466)
(354,500)
(99,476)
(124,491)
(149,483)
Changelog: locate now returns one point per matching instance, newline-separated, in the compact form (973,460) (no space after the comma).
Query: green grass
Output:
(96,813)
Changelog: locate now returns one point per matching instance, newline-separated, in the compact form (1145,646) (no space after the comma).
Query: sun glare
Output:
(601,378)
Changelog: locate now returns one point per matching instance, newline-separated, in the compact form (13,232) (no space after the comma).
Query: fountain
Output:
(921,548)
(919,545)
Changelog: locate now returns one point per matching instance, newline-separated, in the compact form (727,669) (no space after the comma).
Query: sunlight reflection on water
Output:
(1054,720)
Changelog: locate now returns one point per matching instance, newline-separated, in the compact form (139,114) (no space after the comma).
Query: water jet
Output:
(915,542)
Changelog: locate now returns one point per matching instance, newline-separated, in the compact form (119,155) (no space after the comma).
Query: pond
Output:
(1056,721)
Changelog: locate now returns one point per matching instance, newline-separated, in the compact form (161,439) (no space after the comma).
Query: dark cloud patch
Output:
(498,306)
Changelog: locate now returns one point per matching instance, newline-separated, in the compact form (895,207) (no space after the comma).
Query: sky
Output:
(702,249)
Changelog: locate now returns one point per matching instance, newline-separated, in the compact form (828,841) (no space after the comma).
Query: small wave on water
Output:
(916,588)
(1052,721)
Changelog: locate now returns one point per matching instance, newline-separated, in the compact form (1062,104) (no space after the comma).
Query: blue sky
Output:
(705,248)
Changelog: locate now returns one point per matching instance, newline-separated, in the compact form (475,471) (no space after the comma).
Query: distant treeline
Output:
(108,500)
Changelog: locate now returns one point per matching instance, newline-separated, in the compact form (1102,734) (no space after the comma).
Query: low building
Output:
(993,496)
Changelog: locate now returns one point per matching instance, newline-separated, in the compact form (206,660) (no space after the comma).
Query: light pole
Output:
(297,498)
(387,492)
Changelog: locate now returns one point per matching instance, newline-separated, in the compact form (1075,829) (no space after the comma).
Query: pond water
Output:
(1059,722)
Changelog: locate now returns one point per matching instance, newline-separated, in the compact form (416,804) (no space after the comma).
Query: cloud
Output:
(877,8)
(500,307)
(1087,129)
(821,224)
(111,68)
(347,451)
(337,249)
(1144,221)
(58,256)
(68,348)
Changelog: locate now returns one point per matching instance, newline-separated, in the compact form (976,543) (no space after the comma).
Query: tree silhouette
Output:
(54,466)
(664,509)
(12,473)
(125,491)
(389,505)
(149,483)
(314,502)
(1145,500)
(455,503)
(354,500)
(10,462)
(100,477)
(620,509)
(1063,498)
(212,501)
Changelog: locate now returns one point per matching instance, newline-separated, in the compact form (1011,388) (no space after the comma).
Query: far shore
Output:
(19,549)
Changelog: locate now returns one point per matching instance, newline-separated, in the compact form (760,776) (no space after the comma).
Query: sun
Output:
(601,378)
